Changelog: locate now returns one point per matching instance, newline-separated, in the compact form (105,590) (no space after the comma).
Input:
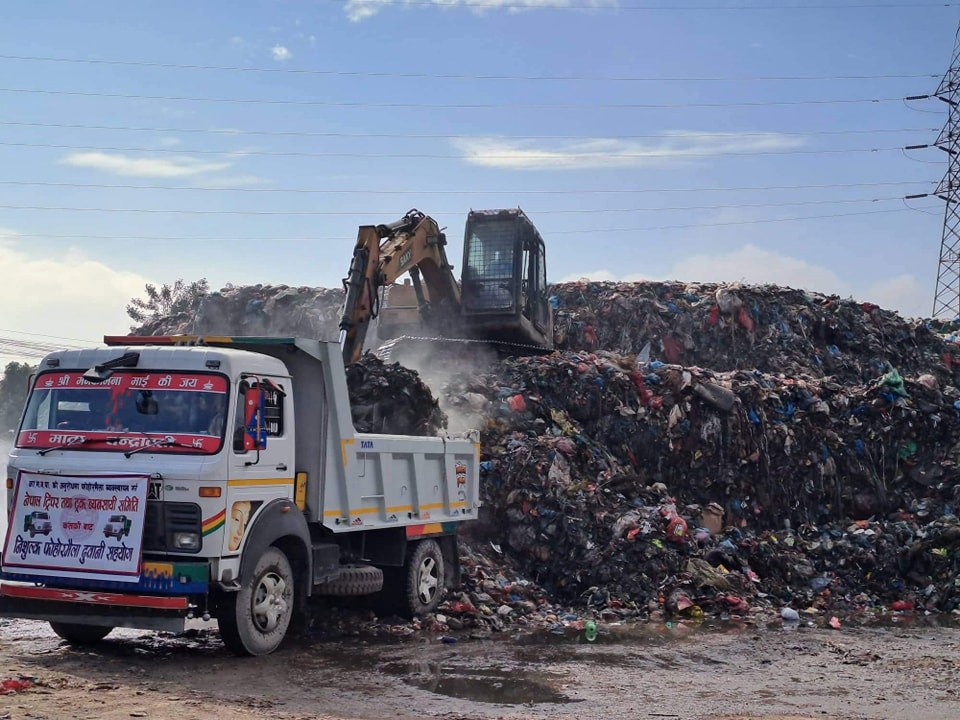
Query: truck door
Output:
(259,475)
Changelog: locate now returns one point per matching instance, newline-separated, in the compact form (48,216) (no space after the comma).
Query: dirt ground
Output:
(906,671)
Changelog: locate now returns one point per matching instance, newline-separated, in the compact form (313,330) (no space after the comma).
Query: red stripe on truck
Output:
(93,597)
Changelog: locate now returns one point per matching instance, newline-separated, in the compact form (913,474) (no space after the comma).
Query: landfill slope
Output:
(256,310)
(691,449)
(729,327)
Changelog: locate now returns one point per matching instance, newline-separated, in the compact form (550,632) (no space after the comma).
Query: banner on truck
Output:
(77,526)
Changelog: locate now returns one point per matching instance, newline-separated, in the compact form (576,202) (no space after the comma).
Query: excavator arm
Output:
(414,244)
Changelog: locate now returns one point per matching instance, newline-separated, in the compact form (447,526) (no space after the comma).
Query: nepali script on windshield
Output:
(177,412)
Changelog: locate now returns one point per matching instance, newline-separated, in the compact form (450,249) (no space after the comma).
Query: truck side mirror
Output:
(255,429)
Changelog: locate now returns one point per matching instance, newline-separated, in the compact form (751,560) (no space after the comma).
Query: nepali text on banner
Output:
(77,526)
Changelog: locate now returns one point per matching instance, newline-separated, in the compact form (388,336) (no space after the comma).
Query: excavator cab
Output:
(504,279)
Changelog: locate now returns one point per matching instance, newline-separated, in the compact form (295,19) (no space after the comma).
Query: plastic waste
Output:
(9,687)
(789,615)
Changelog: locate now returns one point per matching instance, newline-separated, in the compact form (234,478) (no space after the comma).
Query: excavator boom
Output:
(381,255)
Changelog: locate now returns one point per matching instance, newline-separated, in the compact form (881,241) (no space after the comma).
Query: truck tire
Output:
(254,620)
(423,579)
(354,580)
(80,634)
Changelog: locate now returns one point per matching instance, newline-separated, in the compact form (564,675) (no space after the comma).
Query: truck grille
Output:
(164,519)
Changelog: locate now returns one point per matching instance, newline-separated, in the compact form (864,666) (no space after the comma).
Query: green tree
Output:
(13,394)
(166,300)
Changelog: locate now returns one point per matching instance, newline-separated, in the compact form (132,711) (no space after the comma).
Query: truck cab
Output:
(220,478)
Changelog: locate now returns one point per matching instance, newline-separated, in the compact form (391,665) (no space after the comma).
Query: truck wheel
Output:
(354,580)
(80,634)
(423,578)
(254,620)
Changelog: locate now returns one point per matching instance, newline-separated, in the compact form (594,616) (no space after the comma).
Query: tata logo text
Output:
(366,444)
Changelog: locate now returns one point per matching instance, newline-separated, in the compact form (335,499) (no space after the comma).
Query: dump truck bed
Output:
(360,481)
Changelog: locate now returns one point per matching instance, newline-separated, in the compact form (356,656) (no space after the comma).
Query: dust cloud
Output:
(444,364)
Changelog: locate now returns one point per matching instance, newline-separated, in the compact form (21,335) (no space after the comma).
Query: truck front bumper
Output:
(91,607)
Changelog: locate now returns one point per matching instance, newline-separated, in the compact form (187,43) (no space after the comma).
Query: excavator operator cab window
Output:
(488,273)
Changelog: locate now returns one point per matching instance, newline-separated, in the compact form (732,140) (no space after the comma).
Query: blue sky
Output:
(582,116)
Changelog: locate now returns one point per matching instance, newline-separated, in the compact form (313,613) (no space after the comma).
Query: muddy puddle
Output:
(901,667)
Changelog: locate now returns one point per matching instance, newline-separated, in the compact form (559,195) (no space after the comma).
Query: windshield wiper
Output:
(77,443)
(162,443)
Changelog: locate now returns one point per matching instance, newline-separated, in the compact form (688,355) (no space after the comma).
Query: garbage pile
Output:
(690,449)
(391,399)
(257,310)
(646,486)
(727,327)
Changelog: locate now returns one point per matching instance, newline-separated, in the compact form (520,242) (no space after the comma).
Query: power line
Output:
(558,155)
(723,224)
(53,337)
(343,191)
(329,213)
(25,346)
(451,136)
(549,232)
(451,106)
(475,4)
(456,76)
(314,239)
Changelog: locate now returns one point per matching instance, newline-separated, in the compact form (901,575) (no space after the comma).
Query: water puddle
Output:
(497,685)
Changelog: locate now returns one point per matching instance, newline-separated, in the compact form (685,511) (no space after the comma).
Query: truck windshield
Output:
(128,410)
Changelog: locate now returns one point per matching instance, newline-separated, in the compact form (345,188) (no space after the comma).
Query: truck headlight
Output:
(186,541)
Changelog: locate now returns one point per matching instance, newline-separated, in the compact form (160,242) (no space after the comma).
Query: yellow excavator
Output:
(500,302)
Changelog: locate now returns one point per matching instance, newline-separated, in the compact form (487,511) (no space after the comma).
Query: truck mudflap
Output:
(94,607)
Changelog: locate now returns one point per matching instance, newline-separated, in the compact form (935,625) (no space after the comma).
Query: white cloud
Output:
(753,265)
(605,276)
(169,141)
(904,293)
(173,112)
(668,148)
(359,10)
(130,166)
(280,53)
(66,295)
(236,181)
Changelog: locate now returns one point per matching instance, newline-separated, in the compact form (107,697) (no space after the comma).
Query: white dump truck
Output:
(219,477)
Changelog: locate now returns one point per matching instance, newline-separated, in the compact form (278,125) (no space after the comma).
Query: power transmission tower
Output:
(946,300)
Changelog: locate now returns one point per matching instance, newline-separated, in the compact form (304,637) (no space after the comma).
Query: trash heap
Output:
(391,399)
(689,449)
(646,486)
(257,310)
(727,327)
